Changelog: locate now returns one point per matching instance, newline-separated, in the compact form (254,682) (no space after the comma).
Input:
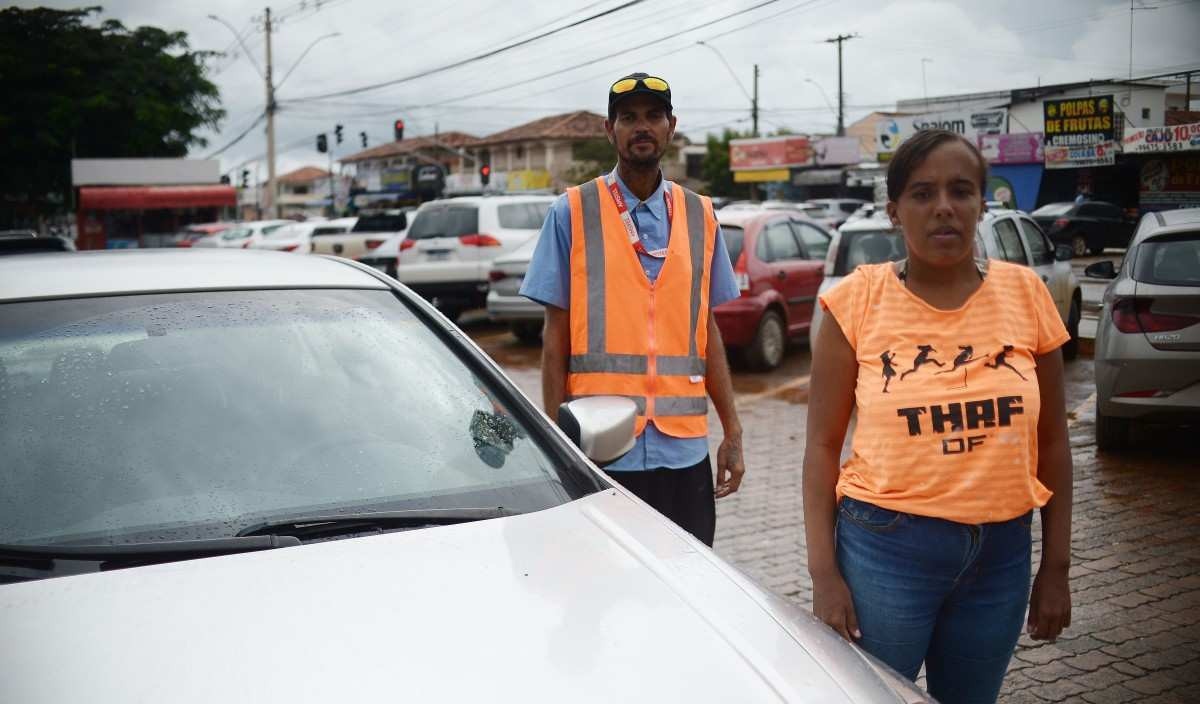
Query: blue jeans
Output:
(926,590)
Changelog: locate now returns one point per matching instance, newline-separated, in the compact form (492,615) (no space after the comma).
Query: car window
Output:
(1173,260)
(329,230)
(381,222)
(816,242)
(195,415)
(1040,250)
(848,207)
(1093,210)
(1010,241)
(868,247)
(734,238)
(781,242)
(237,233)
(444,221)
(268,229)
(523,216)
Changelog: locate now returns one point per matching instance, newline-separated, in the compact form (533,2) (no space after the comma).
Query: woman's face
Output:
(940,206)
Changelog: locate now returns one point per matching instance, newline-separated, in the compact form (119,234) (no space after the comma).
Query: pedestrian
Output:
(629,267)
(919,547)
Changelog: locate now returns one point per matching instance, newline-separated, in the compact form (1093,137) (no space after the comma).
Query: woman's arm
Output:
(830,401)
(1050,602)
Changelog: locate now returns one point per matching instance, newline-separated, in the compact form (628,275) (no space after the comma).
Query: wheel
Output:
(770,340)
(1071,349)
(1111,433)
(526,330)
(1079,246)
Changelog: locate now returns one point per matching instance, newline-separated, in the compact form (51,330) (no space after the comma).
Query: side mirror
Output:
(1063,252)
(602,426)
(1101,270)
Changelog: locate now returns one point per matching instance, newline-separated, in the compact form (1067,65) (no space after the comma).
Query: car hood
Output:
(595,600)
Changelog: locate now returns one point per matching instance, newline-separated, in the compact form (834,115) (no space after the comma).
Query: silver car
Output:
(504,301)
(210,493)
(1148,336)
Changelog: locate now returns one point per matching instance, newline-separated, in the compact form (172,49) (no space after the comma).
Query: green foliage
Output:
(78,91)
(592,157)
(716,166)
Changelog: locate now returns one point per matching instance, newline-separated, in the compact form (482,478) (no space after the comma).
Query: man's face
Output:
(640,129)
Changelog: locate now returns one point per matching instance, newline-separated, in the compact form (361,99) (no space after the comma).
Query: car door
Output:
(815,244)
(1008,239)
(1056,274)
(786,267)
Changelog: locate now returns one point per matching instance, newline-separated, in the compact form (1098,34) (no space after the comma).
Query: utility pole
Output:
(272,195)
(754,102)
(841,125)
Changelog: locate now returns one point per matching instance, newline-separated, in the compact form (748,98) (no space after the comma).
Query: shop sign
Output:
(1157,140)
(1172,181)
(1102,154)
(770,153)
(398,180)
(892,131)
(528,180)
(1023,148)
(1078,122)
(837,151)
(761,176)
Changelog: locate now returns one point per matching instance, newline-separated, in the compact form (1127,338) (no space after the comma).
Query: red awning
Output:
(156,197)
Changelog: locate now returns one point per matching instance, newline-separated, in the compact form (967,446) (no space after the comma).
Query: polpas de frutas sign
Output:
(1079,132)
(1162,140)
(891,132)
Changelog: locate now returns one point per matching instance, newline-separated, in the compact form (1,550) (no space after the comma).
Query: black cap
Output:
(640,88)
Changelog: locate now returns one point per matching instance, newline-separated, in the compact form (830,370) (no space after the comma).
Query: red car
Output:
(779,259)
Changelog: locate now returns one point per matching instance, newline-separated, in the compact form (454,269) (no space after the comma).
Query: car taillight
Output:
(246,244)
(1061,223)
(291,248)
(479,240)
(496,275)
(740,273)
(1133,315)
(407,244)
(372,244)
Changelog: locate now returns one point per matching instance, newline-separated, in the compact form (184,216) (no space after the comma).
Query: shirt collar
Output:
(654,203)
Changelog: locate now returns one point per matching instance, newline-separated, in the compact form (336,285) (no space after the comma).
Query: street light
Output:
(303,54)
(241,43)
(824,97)
(925,88)
(753,100)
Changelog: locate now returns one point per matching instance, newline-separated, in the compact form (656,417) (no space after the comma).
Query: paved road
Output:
(1136,549)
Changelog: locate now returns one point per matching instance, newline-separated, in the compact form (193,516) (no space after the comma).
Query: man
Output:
(616,325)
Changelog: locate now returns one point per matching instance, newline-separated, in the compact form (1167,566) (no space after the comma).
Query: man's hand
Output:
(1049,604)
(730,466)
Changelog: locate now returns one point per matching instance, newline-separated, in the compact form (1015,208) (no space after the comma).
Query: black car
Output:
(24,241)
(1086,227)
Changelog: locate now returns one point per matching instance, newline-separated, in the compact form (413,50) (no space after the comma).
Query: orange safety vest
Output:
(629,337)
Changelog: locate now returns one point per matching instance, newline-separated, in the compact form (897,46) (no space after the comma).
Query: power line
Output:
(258,120)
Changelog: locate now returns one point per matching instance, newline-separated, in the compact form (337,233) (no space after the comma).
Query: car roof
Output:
(113,272)
(1180,216)
(479,200)
(1165,222)
(872,224)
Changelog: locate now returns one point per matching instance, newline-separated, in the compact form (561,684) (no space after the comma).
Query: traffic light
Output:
(224,179)
(337,133)
(245,178)
(363,137)
(485,174)
(399,129)
(322,143)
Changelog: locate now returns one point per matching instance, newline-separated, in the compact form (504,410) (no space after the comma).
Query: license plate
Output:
(437,255)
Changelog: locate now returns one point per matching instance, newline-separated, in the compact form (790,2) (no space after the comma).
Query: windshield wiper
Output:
(160,550)
(378,521)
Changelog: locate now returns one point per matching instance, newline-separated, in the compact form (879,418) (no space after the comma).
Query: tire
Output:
(1079,245)
(529,331)
(1112,434)
(770,341)
(1070,350)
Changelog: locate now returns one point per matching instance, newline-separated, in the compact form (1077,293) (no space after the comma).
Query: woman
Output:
(919,547)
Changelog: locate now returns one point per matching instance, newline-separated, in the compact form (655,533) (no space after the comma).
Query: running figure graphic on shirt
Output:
(922,358)
(1002,361)
(965,357)
(888,370)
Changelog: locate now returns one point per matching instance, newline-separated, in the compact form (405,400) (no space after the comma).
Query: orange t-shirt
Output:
(948,400)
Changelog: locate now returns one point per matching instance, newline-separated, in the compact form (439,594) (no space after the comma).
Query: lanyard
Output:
(627,219)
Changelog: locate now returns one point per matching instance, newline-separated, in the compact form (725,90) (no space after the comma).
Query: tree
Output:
(78,91)
(592,157)
(716,165)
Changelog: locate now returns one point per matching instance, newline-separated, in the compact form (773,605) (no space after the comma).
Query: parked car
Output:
(1009,235)
(836,210)
(1086,227)
(192,234)
(369,232)
(505,304)
(242,235)
(309,538)
(778,257)
(1147,352)
(26,241)
(451,243)
(298,237)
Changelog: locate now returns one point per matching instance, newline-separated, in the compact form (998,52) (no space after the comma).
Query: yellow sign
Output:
(761,176)
(528,180)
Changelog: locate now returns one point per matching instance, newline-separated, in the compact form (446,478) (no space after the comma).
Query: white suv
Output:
(451,244)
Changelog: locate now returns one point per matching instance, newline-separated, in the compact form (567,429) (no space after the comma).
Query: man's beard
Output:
(643,162)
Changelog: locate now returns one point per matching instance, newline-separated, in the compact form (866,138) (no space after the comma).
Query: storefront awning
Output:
(156,197)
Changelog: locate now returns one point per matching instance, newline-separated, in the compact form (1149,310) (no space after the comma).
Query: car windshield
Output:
(1053,210)
(237,233)
(523,216)
(1172,260)
(284,232)
(735,238)
(194,415)
(868,247)
(381,223)
(445,221)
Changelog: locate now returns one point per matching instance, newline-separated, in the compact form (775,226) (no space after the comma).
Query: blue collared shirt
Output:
(548,281)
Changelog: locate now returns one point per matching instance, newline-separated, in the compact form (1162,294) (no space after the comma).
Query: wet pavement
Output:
(1135,633)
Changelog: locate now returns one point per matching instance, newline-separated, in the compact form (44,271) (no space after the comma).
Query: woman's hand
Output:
(833,605)
(1049,604)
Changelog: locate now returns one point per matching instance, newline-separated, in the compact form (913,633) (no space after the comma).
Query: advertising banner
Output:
(891,132)
(528,180)
(1078,122)
(1102,154)
(1172,182)
(839,151)
(1023,148)
(770,153)
(1161,140)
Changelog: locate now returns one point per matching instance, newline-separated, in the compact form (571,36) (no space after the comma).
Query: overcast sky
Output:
(964,46)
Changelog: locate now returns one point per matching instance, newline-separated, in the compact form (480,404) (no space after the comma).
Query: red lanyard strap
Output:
(626,219)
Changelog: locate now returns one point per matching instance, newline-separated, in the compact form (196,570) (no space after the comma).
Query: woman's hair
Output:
(913,152)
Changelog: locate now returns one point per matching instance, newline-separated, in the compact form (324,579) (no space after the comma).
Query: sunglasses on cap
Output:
(625,85)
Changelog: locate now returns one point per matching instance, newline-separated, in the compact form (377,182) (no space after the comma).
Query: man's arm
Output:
(719,384)
(556,345)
